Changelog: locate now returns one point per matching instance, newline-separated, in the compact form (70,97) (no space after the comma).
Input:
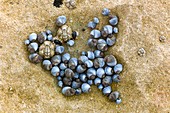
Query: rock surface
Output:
(26,87)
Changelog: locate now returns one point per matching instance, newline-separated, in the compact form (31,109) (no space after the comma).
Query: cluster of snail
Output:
(76,75)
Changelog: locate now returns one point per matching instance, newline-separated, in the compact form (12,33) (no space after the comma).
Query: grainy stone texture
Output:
(26,87)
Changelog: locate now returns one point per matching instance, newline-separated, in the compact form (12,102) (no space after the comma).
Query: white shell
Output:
(95,33)
(114,21)
(55,71)
(111,41)
(66,57)
(98,53)
(62,66)
(96,20)
(89,63)
(90,55)
(115,30)
(32,37)
(50,37)
(107,81)
(118,68)
(59,49)
(34,45)
(56,59)
(100,87)
(27,42)
(68,91)
(80,69)
(73,62)
(100,72)
(91,73)
(108,29)
(83,77)
(70,43)
(91,25)
(48,32)
(107,90)
(105,12)
(47,64)
(110,60)
(85,88)
(108,70)
(61,20)
(118,101)
(60,84)
(99,62)
(97,81)
(83,59)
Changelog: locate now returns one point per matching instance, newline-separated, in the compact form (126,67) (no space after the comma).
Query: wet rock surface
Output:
(145,80)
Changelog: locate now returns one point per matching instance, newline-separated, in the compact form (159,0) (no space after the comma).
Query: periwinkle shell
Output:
(114,20)
(108,70)
(61,20)
(81,68)
(63,66)
(55,71)
(110,60)
(90,55)
(118,68)
(33,47)
(56,59)
(96,20)
(60,83)
(83,77)
(91,73)
(35,58)
(107,81)
(78,91)
(85,88)
(83,59)
(27,42)
(32,37)
(111,41)
(70,43)
(67,81)
(90,82)
(107,90)
(97,81)
(116,78)
(95,33)
(100,87)
(98,53)
(47,64)
(68,91)
(91,25)
(105,11)
(115,30)
(76,85)
(114,96)
(42,37)
(92,43)
(99,62)
(66,57)
(89,63)
(69,73)
(50,37)
(100,73)
(102,45)
(59,49)
(72,64)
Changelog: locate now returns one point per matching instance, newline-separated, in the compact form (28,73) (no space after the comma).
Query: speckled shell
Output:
(47,49)
(64,33)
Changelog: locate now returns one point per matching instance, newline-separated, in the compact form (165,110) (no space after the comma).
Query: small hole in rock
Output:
(57,3)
